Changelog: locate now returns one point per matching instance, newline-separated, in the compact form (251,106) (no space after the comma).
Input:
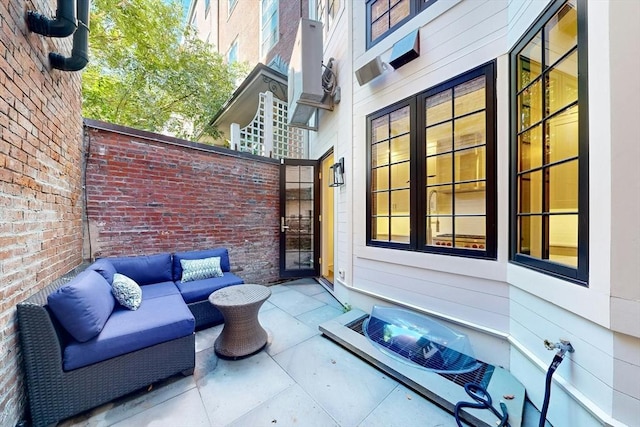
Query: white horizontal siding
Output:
(475,300)
(626,373)
(589,369)
(466,36)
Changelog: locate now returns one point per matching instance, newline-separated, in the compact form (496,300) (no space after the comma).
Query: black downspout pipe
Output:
(63,25)
(80,52)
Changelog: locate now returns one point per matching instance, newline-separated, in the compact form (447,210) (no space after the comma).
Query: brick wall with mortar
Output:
(244,24)
(148,193)
(289,13)
(40,180)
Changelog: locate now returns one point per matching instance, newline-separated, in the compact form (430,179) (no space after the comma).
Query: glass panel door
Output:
(299,245)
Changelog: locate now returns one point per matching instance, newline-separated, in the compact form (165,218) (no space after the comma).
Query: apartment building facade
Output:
(249,31)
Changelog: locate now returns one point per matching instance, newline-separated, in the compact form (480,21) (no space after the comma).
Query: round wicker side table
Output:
(242,335)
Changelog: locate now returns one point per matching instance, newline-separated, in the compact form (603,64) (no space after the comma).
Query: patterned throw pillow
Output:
(126,291)
(198,269)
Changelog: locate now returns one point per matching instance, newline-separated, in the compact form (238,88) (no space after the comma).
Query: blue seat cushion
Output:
(157,320)
(83,305)
(105,268)
(225,266)
(161,289)
(145,269)
(199,290)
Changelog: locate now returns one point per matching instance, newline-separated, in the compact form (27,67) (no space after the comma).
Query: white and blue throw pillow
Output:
(126,291)
(198,269)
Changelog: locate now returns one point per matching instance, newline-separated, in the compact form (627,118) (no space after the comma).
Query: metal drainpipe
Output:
(80,52)
(63,25)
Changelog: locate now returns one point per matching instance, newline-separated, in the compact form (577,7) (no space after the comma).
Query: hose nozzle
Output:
(563,347)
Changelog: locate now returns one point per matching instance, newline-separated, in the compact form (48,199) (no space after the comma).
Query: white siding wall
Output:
(455,37)
(516,307)
(335,130)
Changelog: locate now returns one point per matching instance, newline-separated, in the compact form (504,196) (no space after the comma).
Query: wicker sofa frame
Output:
(55,394)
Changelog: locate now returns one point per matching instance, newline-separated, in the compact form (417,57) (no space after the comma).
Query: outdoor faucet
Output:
(563,347)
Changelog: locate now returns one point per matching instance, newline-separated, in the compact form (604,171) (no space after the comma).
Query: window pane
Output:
(438,107)
(306,174)
(561,32)
(400,11)
(400,229)
(380,154)
(400,149)
(530,149)
(470,131)
(443,230)
(563,187)
(530,62)
(380,228)
(380,178)
(400,122)
(439,169)
(562,84)
(470,164)
(563,239)
(379,7)
(470,96)
(400,203)
(380,203)
(530,235)
(530,105)
(380,129)
(439,139)
(562,136)
(379,27)
(293,173)
(530,192)
(439,200)
(439,231)
(470,203)
(470,232)
(400,175)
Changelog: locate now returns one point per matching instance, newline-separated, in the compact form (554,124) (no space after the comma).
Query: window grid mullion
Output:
(389,189)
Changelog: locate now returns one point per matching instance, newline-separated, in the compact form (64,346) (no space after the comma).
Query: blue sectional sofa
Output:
(83,347)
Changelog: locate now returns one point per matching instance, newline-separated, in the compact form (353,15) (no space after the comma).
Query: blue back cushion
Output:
(218,252)
(105,268)
(83,305)
(200,290)
(145,270)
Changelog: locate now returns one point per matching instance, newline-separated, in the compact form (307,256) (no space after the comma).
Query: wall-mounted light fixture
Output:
(337,173)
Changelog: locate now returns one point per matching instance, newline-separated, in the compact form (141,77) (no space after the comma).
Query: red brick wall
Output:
(40,180)
(148,193)
(289,17)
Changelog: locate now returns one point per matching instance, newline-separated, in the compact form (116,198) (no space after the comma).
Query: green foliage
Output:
(146,71)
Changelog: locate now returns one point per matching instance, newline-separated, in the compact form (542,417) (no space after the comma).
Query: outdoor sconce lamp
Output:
(337,175)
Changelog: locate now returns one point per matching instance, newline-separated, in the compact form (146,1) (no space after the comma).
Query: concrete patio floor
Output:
(299,379)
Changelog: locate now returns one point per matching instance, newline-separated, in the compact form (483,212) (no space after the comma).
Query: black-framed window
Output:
(549,144)
(431,169)
(385,16)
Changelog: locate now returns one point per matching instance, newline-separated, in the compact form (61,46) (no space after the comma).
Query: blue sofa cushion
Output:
(157,320)
(218,252)
(159,290)
(145,269)
(198,269)
(200,290)
(126,291)
(105,268)
(83,305)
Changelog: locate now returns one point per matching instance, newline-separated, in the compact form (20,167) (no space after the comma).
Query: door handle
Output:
(283,227)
